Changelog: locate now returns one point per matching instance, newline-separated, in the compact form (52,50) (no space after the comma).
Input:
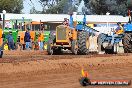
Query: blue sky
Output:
(28,5)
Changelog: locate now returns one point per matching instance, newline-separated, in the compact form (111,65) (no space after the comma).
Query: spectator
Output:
(66,22)
(27,38)
(10,41)
(40,41)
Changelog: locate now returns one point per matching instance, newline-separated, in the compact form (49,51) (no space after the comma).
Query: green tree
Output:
(57,6)
(103,6)
(11,6)
(34,11)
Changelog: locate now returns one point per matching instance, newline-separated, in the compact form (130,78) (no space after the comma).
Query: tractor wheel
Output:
(49,47)
(127,43)
(57,51)
(1,53)
(74,47)
(5,46)
(83,42)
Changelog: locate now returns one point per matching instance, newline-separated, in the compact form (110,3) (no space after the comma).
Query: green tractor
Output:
(15,37)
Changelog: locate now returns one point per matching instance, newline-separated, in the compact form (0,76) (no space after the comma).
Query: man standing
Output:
(10,41)
(40,41)
(27,38)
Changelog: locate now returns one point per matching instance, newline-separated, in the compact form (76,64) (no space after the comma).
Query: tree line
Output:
(66,6)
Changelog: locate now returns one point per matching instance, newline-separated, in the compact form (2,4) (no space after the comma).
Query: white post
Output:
(4,12)
(107,21)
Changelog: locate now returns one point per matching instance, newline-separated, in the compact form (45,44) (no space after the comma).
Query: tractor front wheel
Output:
(49,47)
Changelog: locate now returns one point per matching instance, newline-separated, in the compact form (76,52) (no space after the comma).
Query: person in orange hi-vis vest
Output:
(40,41)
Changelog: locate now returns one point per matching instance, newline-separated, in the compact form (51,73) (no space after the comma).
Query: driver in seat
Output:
(119,30)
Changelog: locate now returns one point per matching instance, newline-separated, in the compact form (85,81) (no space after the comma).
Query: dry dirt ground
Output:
(35,69)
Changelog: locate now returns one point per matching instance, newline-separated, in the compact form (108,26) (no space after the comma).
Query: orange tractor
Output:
(73,37)
(21,35)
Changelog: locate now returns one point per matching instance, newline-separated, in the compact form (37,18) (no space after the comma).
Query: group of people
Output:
(27,40)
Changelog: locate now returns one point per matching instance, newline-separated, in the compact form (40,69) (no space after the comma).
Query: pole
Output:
(16,27)
(40,25)
(31,26)
(107,21)
(23,24)
(3,21)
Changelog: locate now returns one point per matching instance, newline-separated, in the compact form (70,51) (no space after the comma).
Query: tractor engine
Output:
(64,35)
(65,38)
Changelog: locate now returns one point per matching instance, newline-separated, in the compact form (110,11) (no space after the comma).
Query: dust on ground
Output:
(35,69)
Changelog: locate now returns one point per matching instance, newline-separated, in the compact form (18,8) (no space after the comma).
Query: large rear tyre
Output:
(127,43)
(83,42)
(50,44)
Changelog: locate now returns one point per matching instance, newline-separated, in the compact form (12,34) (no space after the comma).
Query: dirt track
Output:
(25,70)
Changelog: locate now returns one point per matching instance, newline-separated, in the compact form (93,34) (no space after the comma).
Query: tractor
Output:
(21,41)
(15,37)
(74,37)
(21,35)
(122,43)
(105,44)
